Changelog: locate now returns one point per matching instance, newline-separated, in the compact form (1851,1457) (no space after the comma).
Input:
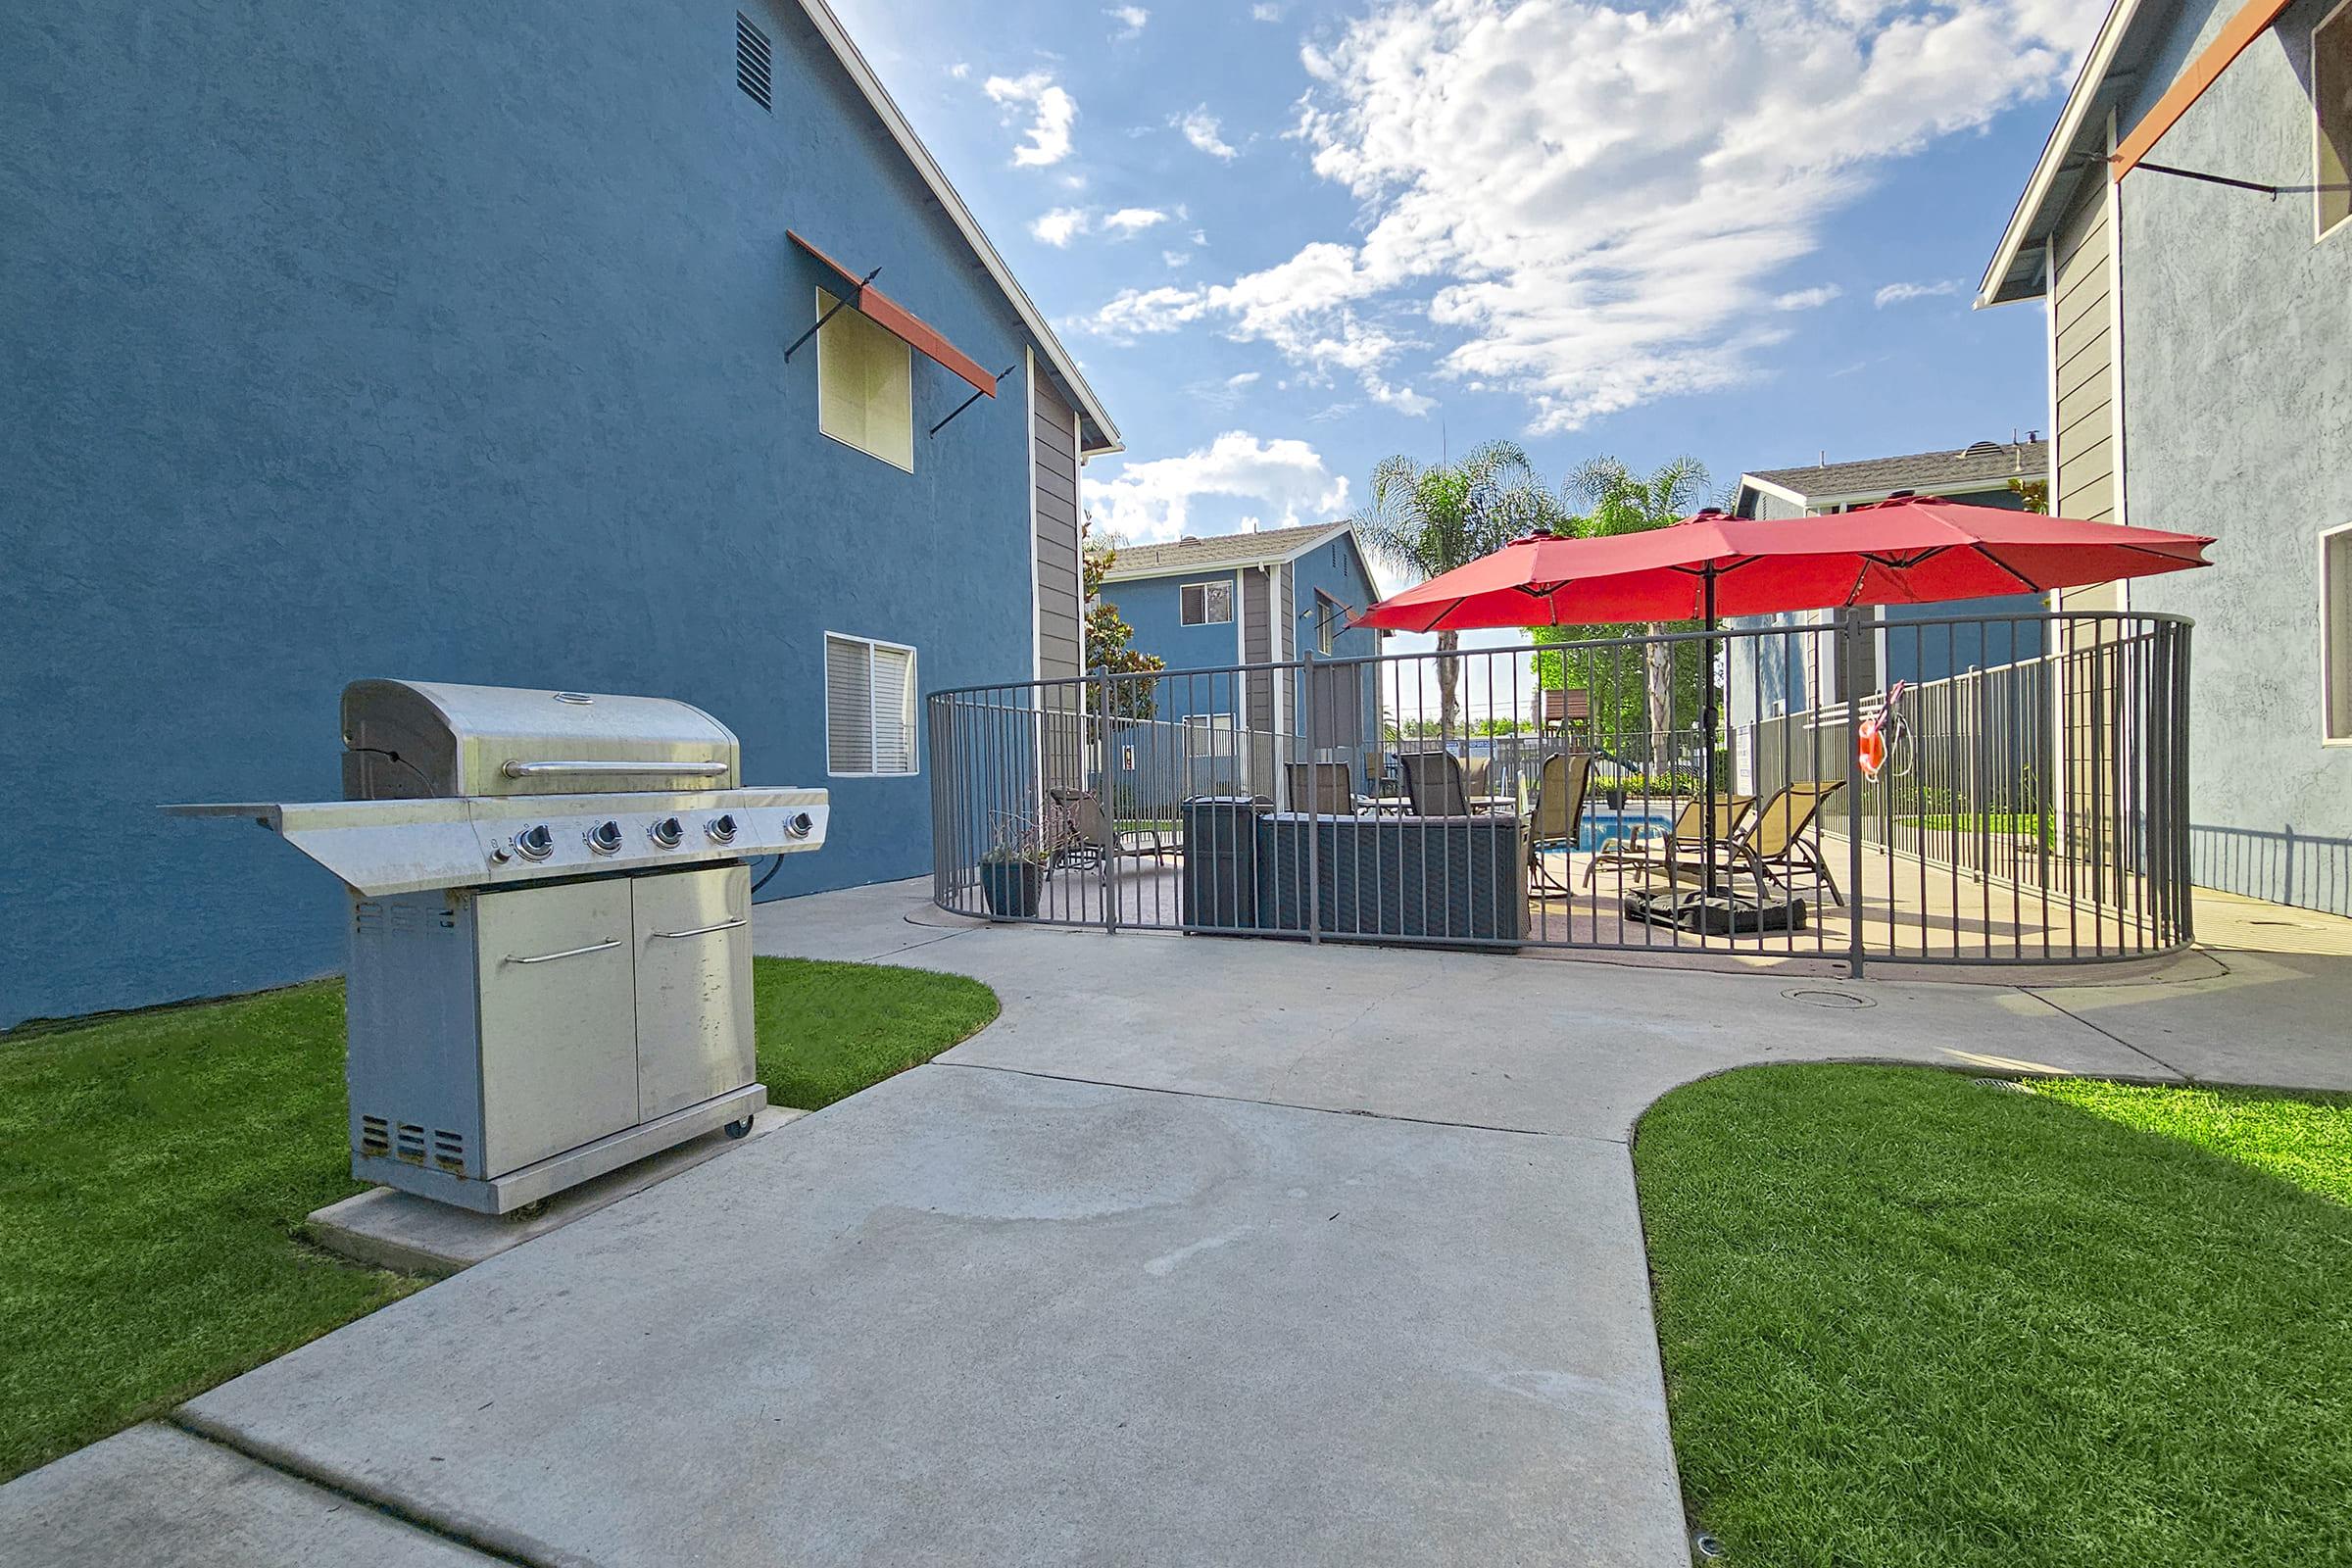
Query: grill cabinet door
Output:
(694,987)
(558,1019)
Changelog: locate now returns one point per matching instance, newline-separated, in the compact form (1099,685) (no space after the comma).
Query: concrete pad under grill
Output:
(385,1228)
(153,1494)
(979,1316)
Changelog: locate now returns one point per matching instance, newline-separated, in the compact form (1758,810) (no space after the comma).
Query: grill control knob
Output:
(604,838)
(667,832)
(800,825)
(721,829)
(535,843)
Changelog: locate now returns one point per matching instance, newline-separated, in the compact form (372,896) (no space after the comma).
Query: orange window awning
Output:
(902,323)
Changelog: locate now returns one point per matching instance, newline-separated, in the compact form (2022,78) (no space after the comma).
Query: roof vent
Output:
(1978,449)
(752,58)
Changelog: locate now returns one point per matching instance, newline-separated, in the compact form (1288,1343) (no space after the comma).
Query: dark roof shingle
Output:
(1224,550)
(1923,471)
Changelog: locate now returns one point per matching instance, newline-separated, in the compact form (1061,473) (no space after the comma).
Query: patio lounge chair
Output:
(1773,849)
(1559,808)
(1685,838)
(1327,789)
(1433,784)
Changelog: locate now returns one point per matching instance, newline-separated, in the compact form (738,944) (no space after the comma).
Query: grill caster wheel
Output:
(740,1129)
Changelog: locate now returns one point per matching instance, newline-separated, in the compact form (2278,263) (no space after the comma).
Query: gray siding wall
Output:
(1057,536)
(1257,639)
(1286,596)
(2237,393)
(2081,319)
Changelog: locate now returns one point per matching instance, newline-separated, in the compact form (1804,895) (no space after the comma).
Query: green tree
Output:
(1427,520)
(1614,500)
(1109,636)
(2033,495)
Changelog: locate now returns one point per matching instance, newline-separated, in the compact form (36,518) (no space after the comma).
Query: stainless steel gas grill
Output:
(551,956)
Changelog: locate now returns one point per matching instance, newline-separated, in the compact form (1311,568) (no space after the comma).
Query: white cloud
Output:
(1058,226)
(961,69)
(1265,13)
(1547,208)
(1131,19)
(1200,128)
(1134,219)
(1304,307)
(1175,258)
(1806,299)
(1897,293)
(1244,378)
(1052,112)
(1269,484)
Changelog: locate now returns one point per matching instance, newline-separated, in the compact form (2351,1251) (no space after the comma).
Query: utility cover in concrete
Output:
(972,1316)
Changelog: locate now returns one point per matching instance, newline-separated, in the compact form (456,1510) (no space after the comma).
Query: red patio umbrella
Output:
(1903,552)
(1912,550)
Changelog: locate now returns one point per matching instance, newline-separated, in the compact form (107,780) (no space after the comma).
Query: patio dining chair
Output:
(1083,833)
(1327,789)
(1560,785)
(1434,783)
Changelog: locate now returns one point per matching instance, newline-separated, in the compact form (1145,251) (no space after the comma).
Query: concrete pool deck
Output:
(1207,1250)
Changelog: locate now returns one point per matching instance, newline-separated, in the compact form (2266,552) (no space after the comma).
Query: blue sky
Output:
(1287,239)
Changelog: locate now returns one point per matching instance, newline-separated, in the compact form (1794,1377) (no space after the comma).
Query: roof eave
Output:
(2010,276)
(1103,437)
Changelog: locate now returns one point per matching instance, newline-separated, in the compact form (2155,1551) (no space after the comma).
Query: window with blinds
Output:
(869,707)
(864,385)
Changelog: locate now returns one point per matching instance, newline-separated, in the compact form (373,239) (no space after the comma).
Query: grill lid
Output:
(408,739)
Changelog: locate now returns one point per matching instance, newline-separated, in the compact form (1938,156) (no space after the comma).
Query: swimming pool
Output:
(1601,825)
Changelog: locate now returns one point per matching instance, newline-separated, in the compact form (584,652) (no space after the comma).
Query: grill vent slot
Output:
(409,1142)
(449,1149)
(375,1136)
(752,57)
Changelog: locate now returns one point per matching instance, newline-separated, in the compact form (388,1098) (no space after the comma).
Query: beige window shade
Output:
(864,387)
(2335,631)
(2332,98)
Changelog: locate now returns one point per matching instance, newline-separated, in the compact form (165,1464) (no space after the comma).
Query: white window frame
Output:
(1328,615)
(2320,230)
(826,303)
(914,734)
(2331,542)
(1205,585)
(1221,730)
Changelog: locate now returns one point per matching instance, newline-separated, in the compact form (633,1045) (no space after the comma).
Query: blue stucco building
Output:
(1224,612)
(449,343)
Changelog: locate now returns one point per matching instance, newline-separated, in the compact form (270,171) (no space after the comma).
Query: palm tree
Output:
(1618,501)
(1428,520)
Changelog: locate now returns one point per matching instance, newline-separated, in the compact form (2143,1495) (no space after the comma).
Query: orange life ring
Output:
(1870,749)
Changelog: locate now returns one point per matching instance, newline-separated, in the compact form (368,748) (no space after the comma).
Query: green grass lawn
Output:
(154,1168)
(1911,1319)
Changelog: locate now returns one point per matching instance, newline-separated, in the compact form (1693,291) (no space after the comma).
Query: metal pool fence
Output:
(1925,790)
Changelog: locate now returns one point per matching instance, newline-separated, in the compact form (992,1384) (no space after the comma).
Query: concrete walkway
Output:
(1206,1251)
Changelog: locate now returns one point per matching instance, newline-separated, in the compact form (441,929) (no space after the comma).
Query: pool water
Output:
(1601,825)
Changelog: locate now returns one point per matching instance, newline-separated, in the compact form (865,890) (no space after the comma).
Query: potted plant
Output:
(1013,873)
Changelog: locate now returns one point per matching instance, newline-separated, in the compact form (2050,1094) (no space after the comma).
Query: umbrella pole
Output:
(1707,738)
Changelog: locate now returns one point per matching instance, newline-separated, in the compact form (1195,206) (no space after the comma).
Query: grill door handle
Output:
(702,930)
(516,767)
(567,952)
